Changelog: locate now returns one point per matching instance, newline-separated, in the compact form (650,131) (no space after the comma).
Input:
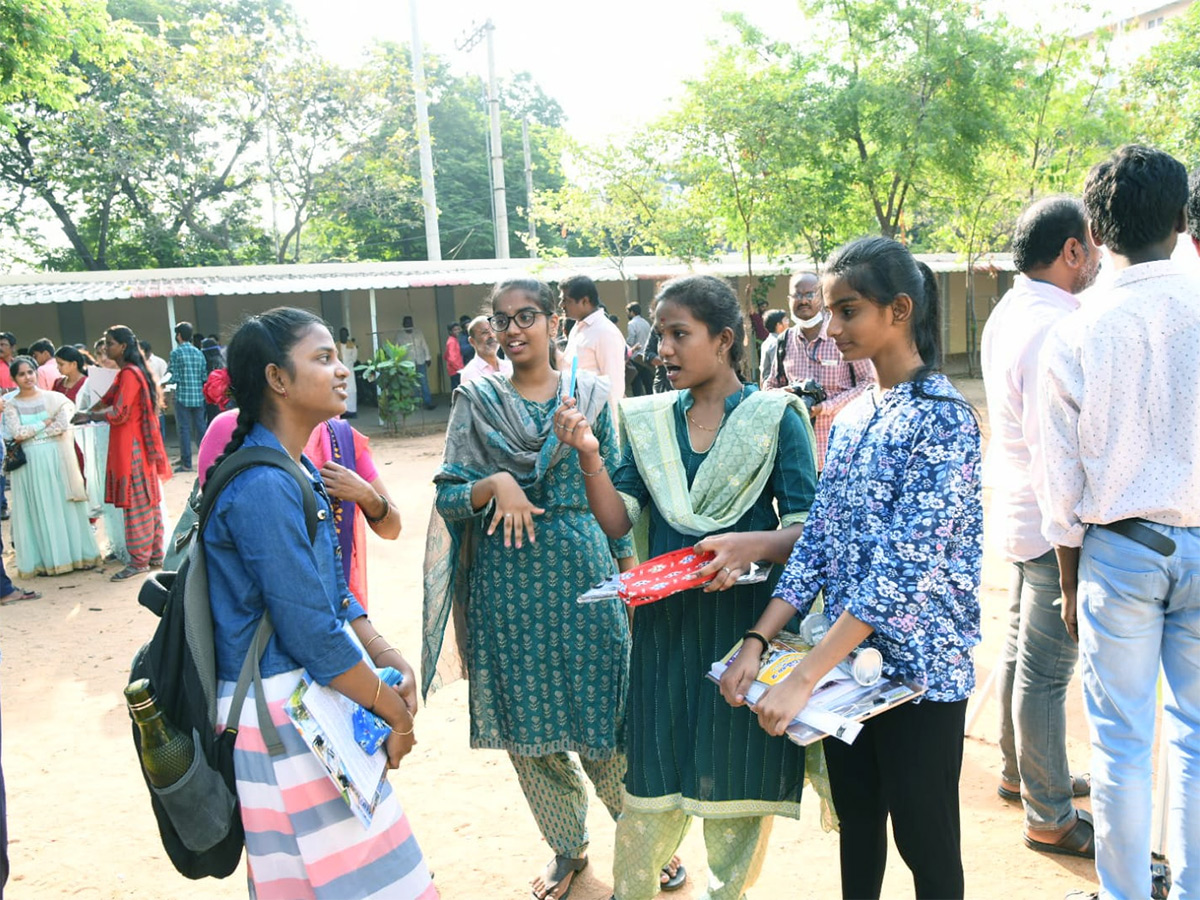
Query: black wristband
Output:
(756,636)
(375,520)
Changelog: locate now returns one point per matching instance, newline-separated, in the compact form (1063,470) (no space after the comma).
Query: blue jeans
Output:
(426,397)
(1039,659)
(1139,610)
(189,419)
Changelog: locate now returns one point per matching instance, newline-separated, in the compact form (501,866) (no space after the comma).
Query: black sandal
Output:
(129,572)
(556,870)
(673,882)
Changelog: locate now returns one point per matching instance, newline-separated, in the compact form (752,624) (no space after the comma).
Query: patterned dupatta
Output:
(490,430)
(734,471)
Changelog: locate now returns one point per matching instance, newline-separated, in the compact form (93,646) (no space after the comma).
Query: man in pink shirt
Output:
(1056,260)
(596,341)
(486,360)
(454,360)
(47,372)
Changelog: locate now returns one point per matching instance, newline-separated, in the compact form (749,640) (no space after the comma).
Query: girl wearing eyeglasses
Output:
(512,545)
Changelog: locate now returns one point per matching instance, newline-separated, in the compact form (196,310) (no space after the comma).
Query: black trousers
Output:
(905,763)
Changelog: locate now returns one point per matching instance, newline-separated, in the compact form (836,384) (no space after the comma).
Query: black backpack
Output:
(198,816)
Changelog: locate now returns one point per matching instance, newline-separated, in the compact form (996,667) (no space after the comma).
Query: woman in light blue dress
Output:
(50,528)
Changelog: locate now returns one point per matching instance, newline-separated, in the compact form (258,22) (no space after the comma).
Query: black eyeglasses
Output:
(523,317)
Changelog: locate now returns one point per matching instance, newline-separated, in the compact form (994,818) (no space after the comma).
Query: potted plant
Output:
(397,382)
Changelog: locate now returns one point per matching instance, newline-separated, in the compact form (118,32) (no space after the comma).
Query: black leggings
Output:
(906,763)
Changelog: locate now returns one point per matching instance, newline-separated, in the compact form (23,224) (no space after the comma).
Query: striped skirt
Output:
(302,840)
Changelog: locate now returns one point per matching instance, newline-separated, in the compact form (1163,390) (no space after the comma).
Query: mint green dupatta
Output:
(734,471)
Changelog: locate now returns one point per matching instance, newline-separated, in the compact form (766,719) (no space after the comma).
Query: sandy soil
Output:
(80,823)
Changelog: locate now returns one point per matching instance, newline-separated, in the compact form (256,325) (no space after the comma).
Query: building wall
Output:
(149,319)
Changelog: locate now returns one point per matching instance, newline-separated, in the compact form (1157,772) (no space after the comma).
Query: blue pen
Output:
(574,372)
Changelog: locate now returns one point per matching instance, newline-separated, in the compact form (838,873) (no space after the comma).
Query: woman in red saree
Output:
(136,457)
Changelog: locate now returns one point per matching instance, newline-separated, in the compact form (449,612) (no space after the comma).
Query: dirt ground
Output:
(80,823)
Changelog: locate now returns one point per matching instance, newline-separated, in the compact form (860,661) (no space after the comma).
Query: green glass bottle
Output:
(167,752)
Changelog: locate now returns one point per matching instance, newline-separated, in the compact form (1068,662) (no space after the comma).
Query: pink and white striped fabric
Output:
(302,840)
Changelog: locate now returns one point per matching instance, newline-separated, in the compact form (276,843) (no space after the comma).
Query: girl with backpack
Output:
(730,469)
(301,837)
(895,540)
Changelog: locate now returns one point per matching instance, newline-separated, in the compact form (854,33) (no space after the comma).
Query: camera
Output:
(808,390)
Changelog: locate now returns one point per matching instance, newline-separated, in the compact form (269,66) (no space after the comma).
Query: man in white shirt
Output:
(418,352)
(776,322)
(1056,260)
(1120,424)
(595,340)
(637,338)
(158,368)
(486,360)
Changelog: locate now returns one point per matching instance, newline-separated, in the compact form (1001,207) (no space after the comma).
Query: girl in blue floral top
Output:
(895,540)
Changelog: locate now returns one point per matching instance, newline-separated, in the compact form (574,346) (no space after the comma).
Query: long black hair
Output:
(72,355)
(881,269)
(122,334)
(713,302)
(259,342)
(538,291)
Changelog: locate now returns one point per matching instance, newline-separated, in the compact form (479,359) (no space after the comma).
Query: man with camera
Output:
(805,353)
(1056,260)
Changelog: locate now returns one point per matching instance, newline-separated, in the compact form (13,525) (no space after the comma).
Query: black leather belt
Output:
(1136,530)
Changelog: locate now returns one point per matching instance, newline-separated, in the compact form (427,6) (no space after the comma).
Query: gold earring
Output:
(721,355)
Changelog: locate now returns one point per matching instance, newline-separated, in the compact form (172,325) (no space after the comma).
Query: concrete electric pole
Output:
(433,240)
(499,203)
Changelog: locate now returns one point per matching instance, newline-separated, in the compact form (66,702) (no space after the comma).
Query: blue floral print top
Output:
(895,535)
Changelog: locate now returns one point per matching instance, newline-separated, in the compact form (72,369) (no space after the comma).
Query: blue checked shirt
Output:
(188,371)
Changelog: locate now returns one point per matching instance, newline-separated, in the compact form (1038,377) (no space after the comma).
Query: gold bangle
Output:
(587,474)
(375,659)
(405,733)
(378,637)
(378,689)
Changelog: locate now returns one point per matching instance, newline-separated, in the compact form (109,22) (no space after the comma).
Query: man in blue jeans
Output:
(1056,260)
(188,369)
(1121,425)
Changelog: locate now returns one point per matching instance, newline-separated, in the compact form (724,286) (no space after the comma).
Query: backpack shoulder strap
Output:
(243,459)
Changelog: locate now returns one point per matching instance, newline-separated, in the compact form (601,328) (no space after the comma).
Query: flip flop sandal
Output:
(1081,786)
(20,594)
(128,572)
(673,882)
(556,870)
(1080,841)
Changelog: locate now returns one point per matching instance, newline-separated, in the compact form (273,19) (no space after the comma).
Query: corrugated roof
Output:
(74,287)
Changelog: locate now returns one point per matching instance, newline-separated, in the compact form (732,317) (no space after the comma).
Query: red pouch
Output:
(663,576)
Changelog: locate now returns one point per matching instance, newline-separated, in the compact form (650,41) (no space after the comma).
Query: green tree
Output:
(1164,89)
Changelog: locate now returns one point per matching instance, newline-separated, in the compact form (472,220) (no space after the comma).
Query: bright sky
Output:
(611,65)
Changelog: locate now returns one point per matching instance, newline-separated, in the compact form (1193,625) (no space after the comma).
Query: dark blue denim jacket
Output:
(259,557)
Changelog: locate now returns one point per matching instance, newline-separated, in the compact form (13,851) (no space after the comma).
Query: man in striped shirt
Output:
(806,351)
(188,370)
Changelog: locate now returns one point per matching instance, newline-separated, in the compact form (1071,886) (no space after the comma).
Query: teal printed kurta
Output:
(687,748)
(547,674)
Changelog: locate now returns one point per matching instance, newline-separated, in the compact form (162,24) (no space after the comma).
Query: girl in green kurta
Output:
(511,547)
(719,465)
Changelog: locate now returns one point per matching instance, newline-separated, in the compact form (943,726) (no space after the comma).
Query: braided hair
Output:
(133,355)
(260,341)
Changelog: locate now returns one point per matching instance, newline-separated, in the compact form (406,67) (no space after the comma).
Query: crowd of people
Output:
(851,463)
